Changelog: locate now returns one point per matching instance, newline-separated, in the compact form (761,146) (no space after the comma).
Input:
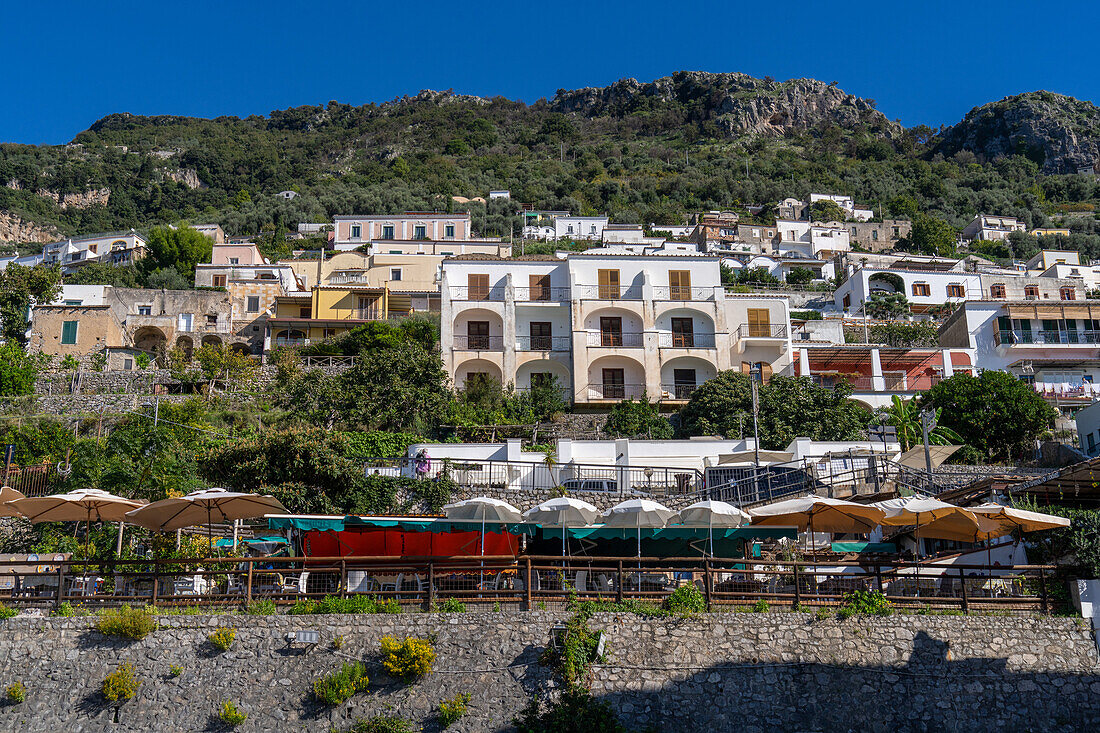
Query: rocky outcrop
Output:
(187,176)
(15,230)
(83,200)
(1060,133)
(738,103)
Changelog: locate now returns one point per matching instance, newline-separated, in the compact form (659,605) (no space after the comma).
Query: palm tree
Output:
(904,415)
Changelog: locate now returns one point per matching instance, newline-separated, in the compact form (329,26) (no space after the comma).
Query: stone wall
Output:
(713,672)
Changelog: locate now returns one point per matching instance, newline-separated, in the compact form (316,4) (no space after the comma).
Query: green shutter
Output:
(68,332)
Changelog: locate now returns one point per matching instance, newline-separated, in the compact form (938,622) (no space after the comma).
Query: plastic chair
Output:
(394,586)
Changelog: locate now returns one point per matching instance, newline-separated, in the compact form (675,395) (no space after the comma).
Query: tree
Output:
(827,210)
(756,276)
(167,278)
(904,415)
(20,288)
(931,236)
(789,408)
(212,363)
(101,273)
(995,413)
(181,248)
(637,419)
(18,370)
(886,305)
(799,276)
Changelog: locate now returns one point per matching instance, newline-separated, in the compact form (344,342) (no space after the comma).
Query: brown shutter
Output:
(679,284)
(540,287)
(759,323)
(478,287)
(608,285)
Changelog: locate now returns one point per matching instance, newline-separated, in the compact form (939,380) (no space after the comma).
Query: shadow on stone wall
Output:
(930,693)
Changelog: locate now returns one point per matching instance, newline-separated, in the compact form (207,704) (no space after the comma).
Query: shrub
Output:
(175,670)
(265,607)
(865,602)
(451,710)
(337,687)
(7,611)
(351,604)
(451,605)
(68,610)
(381,724)
(222,639)
(686,599)
(407,660)
(127,622)
(575,710)
(231,715)
(121,684)
(761,606)
(338,641)
(16,692)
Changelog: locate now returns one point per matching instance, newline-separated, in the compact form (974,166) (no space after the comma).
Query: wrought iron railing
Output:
(668,340)
(616,339)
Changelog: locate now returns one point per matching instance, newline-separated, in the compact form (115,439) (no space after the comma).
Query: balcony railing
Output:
(616,391)
(541,295)
(479,343)
(465,292)
(678,391)
(616,339)
(543,343)
(765,331)
(891,383)
(682,293)
(607,292)
(348,280)
(667,340)
(1014,338)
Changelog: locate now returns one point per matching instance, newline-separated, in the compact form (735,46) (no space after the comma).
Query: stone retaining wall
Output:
(712,672)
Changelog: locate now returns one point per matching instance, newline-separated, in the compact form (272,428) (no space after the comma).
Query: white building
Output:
(923,288)
(991,228)
(114,248)
(502,194)
(1052,345)
(847,203)
(607,324)
(811,240)
(1088,429)
(555,225)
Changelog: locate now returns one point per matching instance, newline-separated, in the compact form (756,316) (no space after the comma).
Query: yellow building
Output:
(411,280)
(325,312)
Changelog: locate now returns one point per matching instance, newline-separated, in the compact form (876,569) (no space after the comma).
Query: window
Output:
(93,248)
(874,235)
(540,336)
(1031,292)
(542,379)
(128,364)
(897,232)
(683,383)
(74,302)
(539,287)
(211,319)
(397,252)
(145,310)
(679,285)
(186,321)
(683,333)
(592,230)
(997,292)
(305,312)
(759,323)
(328,332)
(356,231)
(219,281)
(847,301)
(477,286)
(68,332)
(395,273)
(234,260)
(1092,442)
(449,231)
(569,229)
(955,290)
(420,232)
(477,334)
(922,289)
(1067,293)
(367,307)
(614,384)
(756,234)
(608,288)
(611,331)
(253,305)
(387,231)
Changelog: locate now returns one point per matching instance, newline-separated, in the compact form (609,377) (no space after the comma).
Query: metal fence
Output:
(36,480)
(525,582)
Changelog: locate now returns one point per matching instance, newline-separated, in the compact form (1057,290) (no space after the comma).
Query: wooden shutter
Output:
(611,331)
(540,287)
(478,286)
(608,285)
(679,284)
(759,323)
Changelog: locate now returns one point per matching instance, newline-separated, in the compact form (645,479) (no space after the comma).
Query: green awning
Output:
(885,547)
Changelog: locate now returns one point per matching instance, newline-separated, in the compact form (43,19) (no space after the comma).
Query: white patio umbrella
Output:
(638,514)
(909,511)
(7,494)
(76,506)
(710,514)
(483,509)
(564,512)
(200,507)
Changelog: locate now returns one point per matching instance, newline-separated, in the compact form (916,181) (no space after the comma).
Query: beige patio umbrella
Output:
(7,494)
(76,506)
(911,511)
(818,513)
(1019,519)
(201,507)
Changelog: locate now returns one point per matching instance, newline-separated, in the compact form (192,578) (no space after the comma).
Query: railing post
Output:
(60,584)
(248,584)
(530,595)
(707,582)
(156,581)
(431,586)
(343,578)
(878,578)
(1043,591)
(797,590)
(965,598)
(619,584)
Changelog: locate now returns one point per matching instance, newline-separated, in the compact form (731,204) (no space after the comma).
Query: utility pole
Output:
(755,372)
(927,425)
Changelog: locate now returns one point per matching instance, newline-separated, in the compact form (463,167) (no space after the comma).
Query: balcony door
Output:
(683,333)
(683,383)
(759,323)
(367,307)
(477,334)
(614,384)
(540,287)
(541,336)
(611,331)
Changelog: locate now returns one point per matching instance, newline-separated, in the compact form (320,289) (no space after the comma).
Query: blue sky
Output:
(66,64)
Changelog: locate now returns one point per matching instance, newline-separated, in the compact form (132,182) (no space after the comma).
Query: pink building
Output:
(412,225)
